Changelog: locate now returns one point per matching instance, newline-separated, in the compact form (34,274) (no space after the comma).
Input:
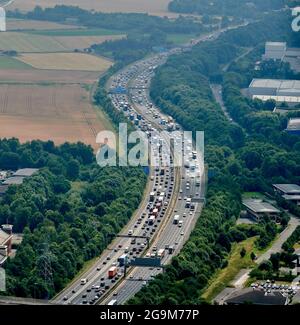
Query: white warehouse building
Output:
(275,51)
(280,90)
(2,20)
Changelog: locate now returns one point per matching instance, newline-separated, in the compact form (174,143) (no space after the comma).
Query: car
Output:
(115,294)
(182,233)
(65,298)
(73,291)
(98,268)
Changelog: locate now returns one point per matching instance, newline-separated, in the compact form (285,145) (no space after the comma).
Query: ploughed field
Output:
(57,112)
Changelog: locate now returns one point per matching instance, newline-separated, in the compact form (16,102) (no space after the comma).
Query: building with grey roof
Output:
(25,172)
(17,180)
(293,126)
(279,51)
(258,209)
(290,192)
(256,297)
(287,91)
(290,189)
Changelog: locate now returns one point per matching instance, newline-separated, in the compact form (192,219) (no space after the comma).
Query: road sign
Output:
(146,262)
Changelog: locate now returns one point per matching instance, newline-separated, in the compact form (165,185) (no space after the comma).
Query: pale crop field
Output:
(21,24)
(34,43)
(66,61)
(157,7)
(58,112)
(22,42)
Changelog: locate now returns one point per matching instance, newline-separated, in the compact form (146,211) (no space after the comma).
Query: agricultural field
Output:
(35,76)
(157,7)
(66,61)
(21,24)
(7,62)
(60,113)
(34,43)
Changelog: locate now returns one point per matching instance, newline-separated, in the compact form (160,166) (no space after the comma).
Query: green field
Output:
(7,62)
(236,263)
(253,195)
(75,32)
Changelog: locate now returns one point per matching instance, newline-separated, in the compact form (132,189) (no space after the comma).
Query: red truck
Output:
(112,272)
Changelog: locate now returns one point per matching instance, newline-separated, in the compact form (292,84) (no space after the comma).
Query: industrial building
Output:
(290,192)
(293,126)
(282,91)
(275,51)
(256,297)
(258,209)
(280,51)
(2,20)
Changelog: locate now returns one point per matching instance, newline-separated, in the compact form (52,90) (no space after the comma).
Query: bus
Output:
(112,302)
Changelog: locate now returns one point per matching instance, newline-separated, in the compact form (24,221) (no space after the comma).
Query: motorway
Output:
(178,185)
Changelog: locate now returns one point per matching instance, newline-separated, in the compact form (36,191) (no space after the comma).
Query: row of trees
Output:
(239,8)
(241,160)
(68,212)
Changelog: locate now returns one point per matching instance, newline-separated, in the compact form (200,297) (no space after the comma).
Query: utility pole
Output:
(45,268)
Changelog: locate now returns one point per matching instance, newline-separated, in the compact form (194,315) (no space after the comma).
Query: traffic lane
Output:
(77,286)
(96,283)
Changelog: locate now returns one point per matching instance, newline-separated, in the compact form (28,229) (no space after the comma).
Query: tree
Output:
(243,252)
(73,169)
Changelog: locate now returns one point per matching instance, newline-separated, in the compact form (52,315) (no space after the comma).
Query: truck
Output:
(152,196)
(161,253)
(176,220)
(188,203)
(84,281)
(151,220)
(123,259)
(112,272)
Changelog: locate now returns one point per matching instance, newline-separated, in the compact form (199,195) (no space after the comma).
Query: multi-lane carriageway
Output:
(178,184)
(175,182)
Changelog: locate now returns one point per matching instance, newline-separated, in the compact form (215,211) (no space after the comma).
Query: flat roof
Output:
(26,172)
(16,180)
(281,99)
(276,43)
(289,197)
(275,83)
(259,206)
(3,237)
(294,124)
(256,297)
(288,188)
